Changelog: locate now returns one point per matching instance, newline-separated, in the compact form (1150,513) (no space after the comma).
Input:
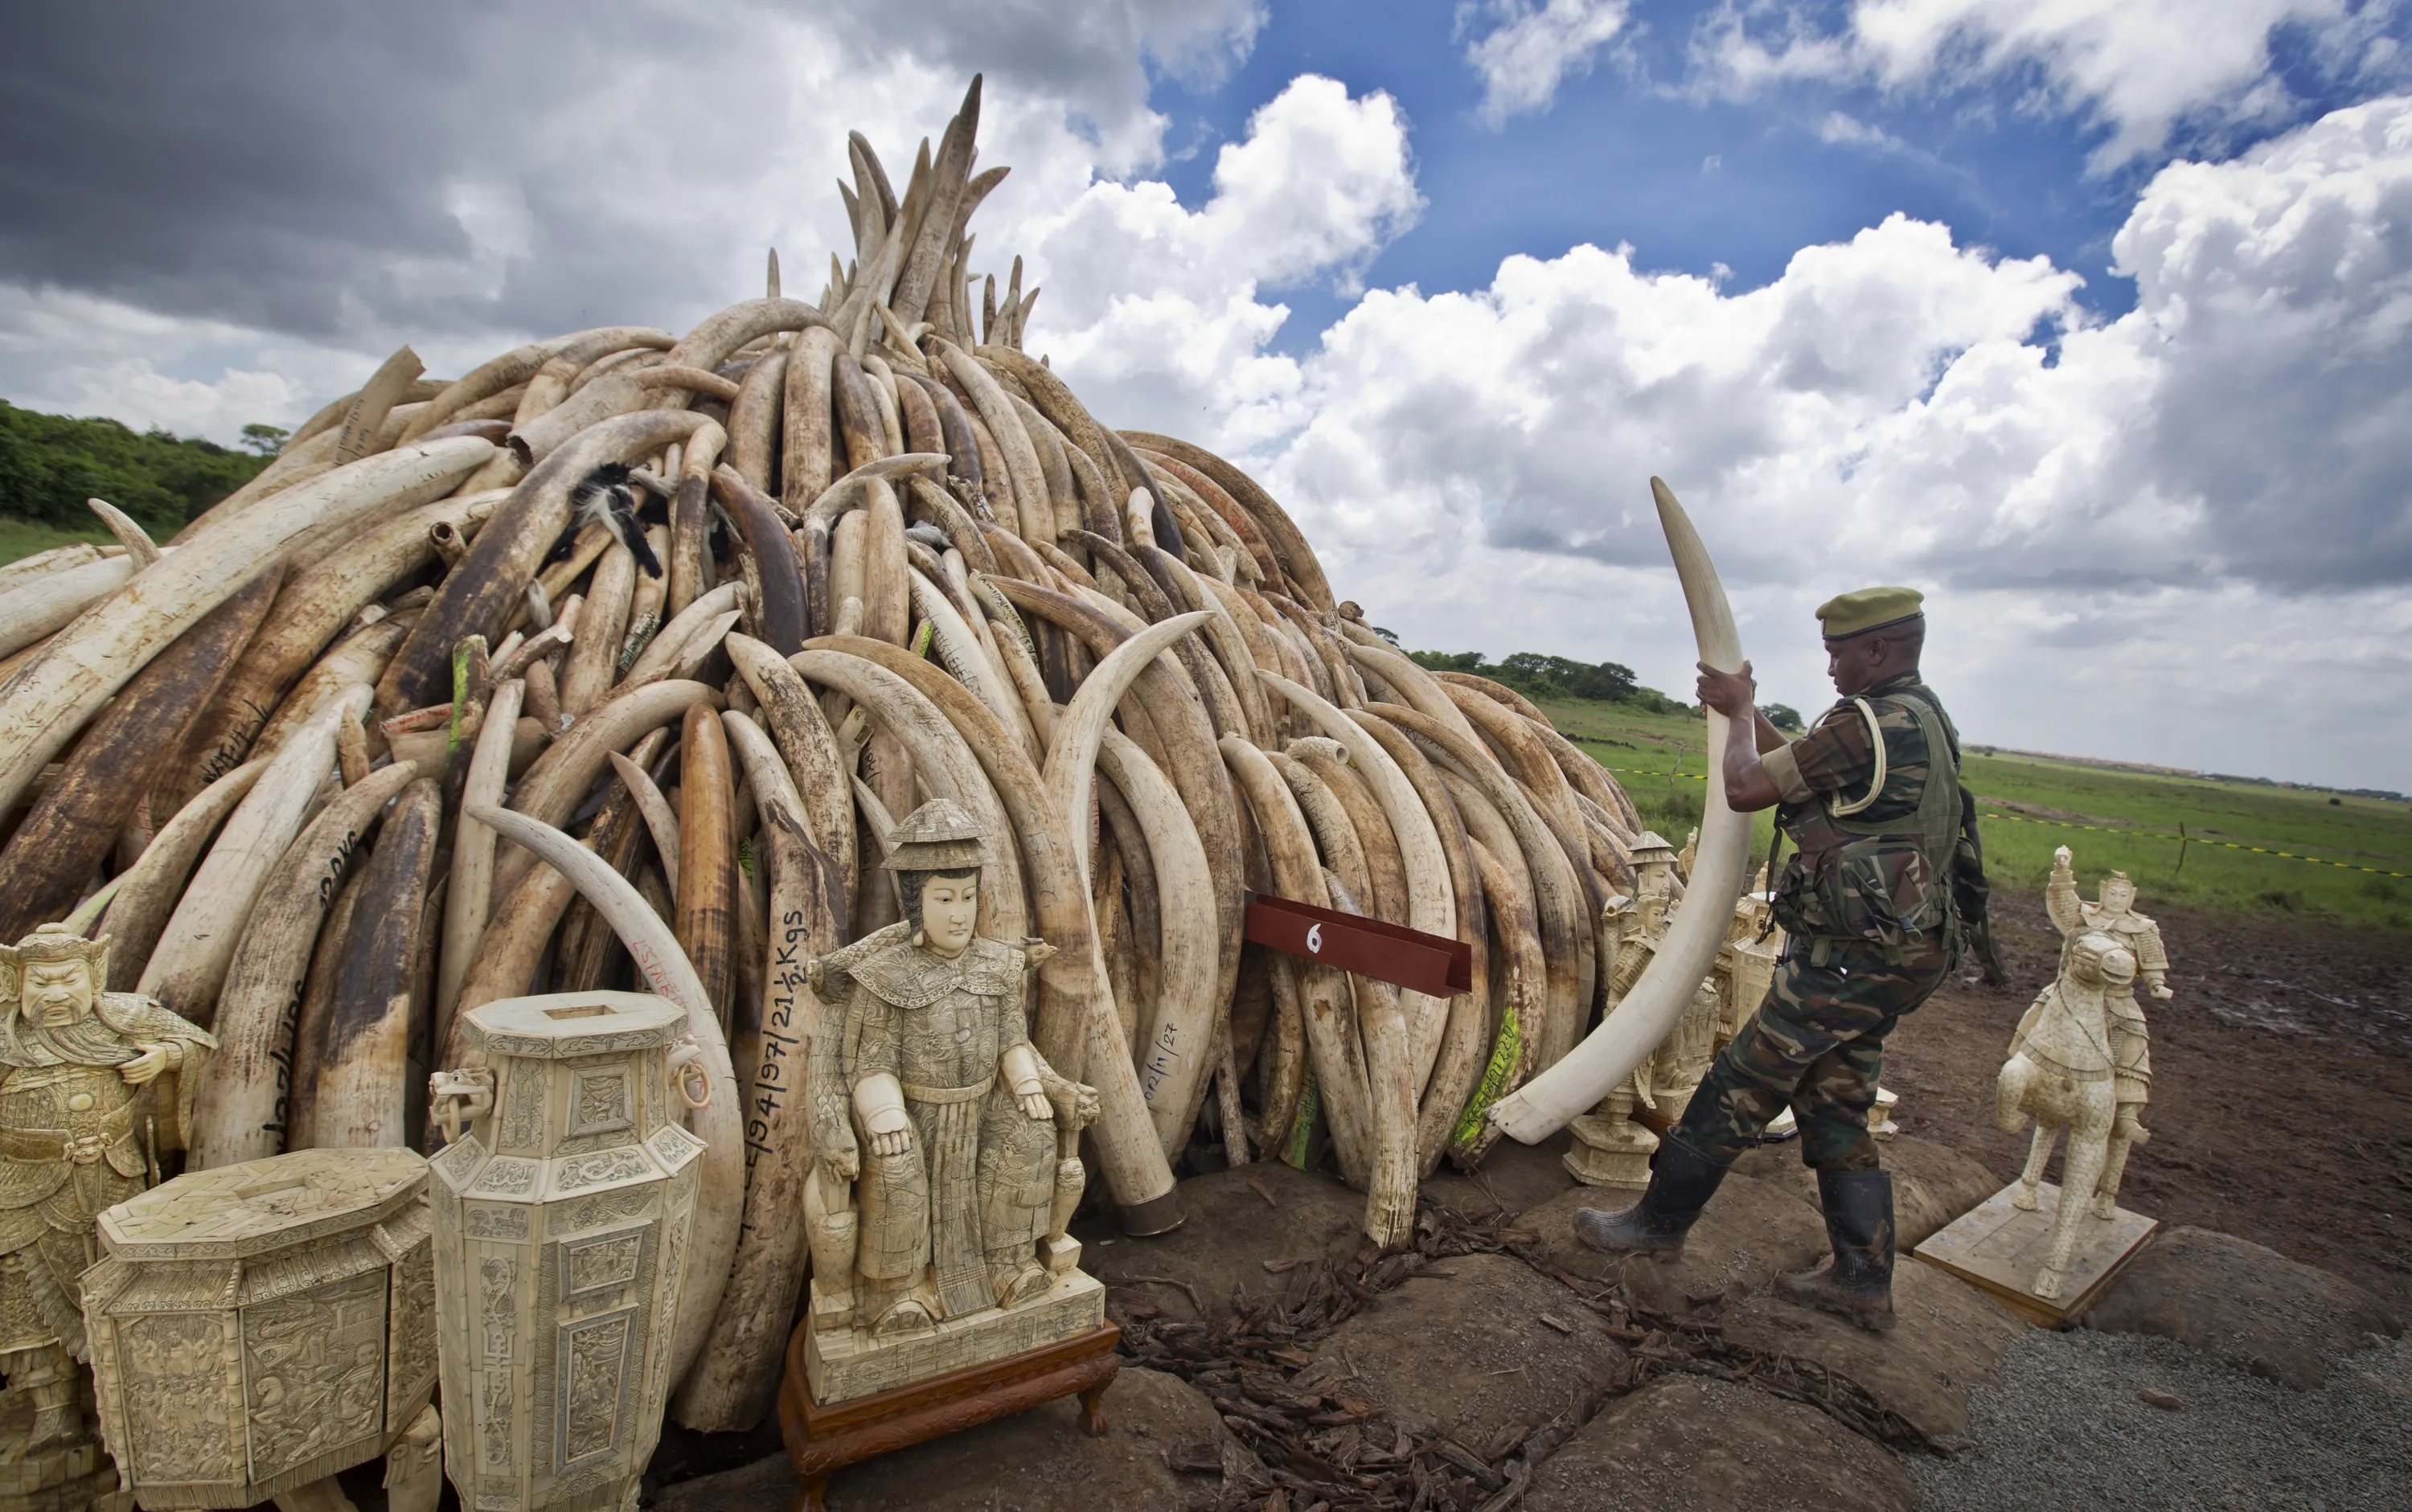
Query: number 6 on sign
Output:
(1386,952)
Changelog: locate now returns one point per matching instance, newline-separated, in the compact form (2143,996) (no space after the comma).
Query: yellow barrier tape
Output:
(2195,839)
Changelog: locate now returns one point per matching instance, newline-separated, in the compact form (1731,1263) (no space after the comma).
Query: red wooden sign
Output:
(1406,958)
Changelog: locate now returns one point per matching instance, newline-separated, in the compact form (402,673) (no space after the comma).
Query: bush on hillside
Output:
(51,463)
(1536,676)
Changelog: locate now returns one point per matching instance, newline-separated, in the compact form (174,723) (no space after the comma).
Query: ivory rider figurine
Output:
(930,1100)
(95,1087)
(2065,1068)
(1872,906)
(2113,913)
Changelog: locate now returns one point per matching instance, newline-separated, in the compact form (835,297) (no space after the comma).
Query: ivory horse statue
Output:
(2060,1070)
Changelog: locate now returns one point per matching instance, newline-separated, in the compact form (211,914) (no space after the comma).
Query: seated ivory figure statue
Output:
(2079,1063)
(958,1141)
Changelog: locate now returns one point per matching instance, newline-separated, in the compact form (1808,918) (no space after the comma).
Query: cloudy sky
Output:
(2089,317)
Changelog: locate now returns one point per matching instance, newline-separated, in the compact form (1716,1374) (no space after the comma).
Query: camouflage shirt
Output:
(1837,757)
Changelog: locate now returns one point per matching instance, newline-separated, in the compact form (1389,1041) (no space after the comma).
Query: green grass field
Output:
(23,537)
(2235,832)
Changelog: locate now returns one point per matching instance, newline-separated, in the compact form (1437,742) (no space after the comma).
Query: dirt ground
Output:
(2282,1084)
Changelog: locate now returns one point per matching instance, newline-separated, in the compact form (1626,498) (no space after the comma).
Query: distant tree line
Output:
(51,463)
(1536,676)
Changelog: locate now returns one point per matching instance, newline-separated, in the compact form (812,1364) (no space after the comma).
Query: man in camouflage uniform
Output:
(1871,797)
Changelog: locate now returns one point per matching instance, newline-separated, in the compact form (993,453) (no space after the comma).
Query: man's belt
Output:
(950,1094)
(41,1146)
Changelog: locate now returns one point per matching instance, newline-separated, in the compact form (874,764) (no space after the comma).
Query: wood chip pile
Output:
(404,727)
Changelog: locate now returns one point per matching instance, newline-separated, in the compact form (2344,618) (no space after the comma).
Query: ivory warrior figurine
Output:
(947,1147)
(2079,1060)
(2113,913)
(95,1087)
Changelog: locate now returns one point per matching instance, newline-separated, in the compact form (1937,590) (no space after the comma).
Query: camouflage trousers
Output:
(1817,1044)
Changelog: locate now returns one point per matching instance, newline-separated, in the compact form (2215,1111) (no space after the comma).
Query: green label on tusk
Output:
(1506,1052)
(1309,1098)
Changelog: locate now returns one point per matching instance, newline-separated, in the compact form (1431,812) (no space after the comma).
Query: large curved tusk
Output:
(318,599)
(732,1378)
(943,762)
(552,788)
(717,336)
(720,1204)
(190,965)
(1624,1039)
(73,825)
(959,646)
(148,891)
(240,1111)
(1177,1031)
(1072,760)
(469,899)
(362,1085)
(1431,908)
(139,549)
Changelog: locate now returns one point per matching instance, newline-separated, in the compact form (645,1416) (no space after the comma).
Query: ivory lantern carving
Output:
(2081,1062)
(95,1086)
(948,1161)
(257,1328)
(563,1206)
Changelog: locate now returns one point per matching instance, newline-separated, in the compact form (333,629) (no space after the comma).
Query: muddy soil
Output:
(2282,1084)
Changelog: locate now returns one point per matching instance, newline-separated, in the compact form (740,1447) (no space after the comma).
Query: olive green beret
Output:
(1868,609)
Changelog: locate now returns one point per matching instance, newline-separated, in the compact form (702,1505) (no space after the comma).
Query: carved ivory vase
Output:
(563,1208)
(258,1327)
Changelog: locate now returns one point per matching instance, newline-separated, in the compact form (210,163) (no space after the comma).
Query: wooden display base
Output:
(1999,1249)
(821,1440)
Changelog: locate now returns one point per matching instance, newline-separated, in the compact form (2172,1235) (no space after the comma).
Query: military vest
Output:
(1886,882)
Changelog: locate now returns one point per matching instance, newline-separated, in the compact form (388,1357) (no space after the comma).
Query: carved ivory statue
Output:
(1747,961)
(947,1161)
(2113,913)
(2080,1061)
(1610,1149)
(94,1087)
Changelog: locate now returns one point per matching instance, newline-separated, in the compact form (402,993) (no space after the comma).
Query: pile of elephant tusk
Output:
(407,725)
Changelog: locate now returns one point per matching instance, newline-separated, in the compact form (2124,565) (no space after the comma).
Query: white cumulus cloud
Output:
(1157,307)
(1531,48)
(2140,67)
(2201,500)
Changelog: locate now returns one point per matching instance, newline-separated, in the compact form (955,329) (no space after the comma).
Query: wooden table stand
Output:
(824,1439)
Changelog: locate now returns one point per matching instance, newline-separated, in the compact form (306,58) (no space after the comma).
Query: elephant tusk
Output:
(1647,1015)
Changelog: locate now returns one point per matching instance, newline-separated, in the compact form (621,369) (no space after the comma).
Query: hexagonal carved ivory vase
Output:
(259,1327)
(562,1219)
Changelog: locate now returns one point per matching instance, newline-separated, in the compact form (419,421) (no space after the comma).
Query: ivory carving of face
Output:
(949,908)
(1655,890)
(2118,894)
(56,994)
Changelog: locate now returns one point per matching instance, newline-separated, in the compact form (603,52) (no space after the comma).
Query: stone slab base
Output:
(841,1365)
(1999,1249)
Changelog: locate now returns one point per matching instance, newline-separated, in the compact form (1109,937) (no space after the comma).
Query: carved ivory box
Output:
(562,1218)
(262,1326)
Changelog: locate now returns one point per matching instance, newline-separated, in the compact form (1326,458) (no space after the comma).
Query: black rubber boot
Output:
(1858,1282)
(1680,1184)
